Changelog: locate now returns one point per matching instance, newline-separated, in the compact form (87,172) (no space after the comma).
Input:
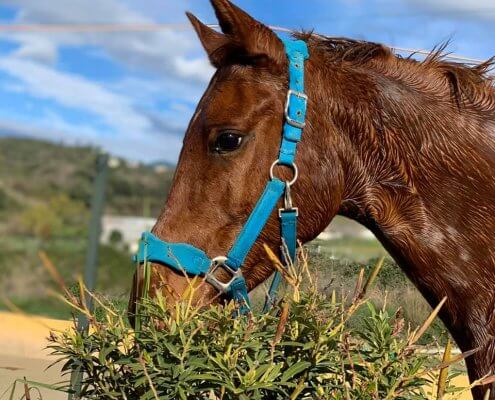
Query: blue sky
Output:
(133,93)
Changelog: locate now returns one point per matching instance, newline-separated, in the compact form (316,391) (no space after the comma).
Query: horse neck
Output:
(418,172)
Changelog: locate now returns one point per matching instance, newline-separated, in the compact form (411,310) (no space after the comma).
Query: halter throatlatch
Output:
(188,259)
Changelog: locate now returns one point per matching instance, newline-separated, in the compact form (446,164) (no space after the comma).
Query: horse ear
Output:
(213,42)
(247,34)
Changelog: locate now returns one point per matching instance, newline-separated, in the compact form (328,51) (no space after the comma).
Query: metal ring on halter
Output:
(293,166)
(216,263)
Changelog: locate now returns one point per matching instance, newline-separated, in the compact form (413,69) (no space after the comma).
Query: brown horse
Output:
(406,148)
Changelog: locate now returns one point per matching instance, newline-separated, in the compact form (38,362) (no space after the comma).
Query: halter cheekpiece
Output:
(186,258)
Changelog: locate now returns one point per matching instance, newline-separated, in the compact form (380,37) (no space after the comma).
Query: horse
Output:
(404,147)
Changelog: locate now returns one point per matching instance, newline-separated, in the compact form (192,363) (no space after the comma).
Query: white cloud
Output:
(198,68)
(164,52)
(461,8)
(75,92)
(37,48)
(133,132)
(75,11)
(150,147)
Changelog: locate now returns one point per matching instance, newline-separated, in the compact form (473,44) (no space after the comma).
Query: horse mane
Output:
(469,85)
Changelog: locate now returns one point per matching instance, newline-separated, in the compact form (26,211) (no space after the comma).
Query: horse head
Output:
(229,150)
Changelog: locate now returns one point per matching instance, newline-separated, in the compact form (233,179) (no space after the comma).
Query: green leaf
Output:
(294,370)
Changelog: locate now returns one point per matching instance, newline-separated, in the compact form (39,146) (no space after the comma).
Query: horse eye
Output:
(227,142)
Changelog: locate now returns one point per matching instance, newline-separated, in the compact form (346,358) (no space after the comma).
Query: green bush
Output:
(303,349)
(40,221)
(58,216)
(116,237)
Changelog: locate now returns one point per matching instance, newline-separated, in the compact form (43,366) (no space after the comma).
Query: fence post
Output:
(90,270)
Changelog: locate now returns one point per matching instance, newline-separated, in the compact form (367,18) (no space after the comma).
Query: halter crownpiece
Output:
(188,259)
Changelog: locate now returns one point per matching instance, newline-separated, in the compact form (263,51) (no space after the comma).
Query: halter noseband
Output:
(193,261)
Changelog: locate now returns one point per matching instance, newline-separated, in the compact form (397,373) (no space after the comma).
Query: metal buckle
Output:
(288,207)
(290,120)
(282,210)
(216,263)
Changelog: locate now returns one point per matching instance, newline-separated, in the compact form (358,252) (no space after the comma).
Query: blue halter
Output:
(193,261)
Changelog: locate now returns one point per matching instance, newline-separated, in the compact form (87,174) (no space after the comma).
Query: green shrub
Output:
(40,221)
(116,237)
(58,216)
(303,349)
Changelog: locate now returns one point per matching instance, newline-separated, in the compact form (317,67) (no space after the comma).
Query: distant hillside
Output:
(162,163)
(33,171)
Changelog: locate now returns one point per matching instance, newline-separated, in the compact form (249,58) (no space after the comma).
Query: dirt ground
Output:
(23,354)
(34,369)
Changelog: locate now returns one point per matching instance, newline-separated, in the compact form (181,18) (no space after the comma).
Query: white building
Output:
(129,227)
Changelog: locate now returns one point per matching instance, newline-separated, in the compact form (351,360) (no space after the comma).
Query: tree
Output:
(115,238)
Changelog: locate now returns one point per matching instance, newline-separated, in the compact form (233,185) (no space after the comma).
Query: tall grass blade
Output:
(455,359)
(444,372)
(420,332)
(371,279)
(52,270)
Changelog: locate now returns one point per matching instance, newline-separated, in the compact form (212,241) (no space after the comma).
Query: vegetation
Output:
(28,284)
(58,216)
(304,349)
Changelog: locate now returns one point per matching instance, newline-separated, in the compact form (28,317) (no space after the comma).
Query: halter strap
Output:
(255,223)
(296,103)
(193,261)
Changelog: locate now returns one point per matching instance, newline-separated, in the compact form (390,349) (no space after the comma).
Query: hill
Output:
(34,171)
